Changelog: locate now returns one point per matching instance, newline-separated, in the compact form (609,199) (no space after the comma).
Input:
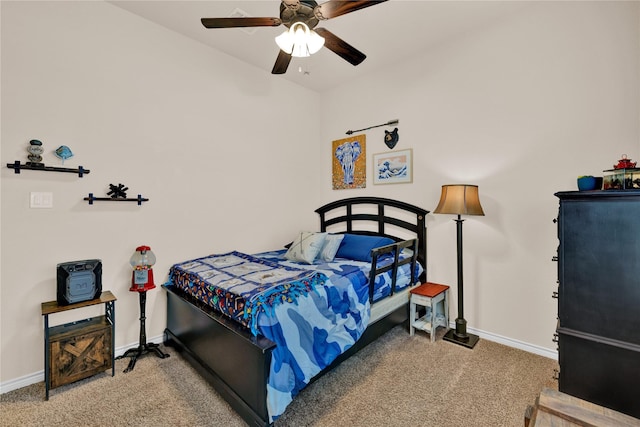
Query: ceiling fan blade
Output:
(240,22)
(282,63)
(334,8)
(341,47)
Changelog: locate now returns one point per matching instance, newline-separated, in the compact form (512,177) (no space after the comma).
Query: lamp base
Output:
(468,340)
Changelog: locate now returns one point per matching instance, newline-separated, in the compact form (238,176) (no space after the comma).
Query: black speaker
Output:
(79,281)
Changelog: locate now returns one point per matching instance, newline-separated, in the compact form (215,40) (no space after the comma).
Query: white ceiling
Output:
(387,33)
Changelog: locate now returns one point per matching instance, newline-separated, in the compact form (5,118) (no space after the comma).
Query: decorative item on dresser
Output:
(587,183)
(623,176)
(599,297)
(460,199)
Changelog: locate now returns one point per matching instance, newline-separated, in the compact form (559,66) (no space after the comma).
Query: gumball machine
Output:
(142,281)
(142,260)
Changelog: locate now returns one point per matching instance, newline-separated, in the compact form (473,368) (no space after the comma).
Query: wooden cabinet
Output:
(77,350)
(599,297)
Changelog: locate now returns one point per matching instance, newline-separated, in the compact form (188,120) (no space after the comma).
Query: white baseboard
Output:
(510,342)
(37,377)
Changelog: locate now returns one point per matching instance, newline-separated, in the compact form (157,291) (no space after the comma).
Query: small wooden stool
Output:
(430,295)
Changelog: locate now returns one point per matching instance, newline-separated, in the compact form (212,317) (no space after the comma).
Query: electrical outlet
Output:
(39,200)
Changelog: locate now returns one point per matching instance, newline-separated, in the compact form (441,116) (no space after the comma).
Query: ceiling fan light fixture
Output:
(314,42)
(299,40)
(285,42)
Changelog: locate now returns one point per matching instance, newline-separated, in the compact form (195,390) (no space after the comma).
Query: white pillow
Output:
(407,253)
(305,247)
(331,246)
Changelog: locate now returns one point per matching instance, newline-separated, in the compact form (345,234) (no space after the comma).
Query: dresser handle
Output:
(555,338)
(555,258)
(556,374)
(554,295)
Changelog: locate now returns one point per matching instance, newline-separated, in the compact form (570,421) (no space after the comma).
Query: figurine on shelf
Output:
(119,191)
(63,152)
(35,153)
(34,161)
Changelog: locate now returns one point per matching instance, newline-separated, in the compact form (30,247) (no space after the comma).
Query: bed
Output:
(235,339)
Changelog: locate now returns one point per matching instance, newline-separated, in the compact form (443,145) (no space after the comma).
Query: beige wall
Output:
(192,129)
(521,107)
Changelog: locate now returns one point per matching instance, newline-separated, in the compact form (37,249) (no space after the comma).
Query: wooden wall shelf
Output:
(17,167)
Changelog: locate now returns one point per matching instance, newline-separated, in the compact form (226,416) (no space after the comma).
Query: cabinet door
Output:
(599,266)
(80,353)
(604,374)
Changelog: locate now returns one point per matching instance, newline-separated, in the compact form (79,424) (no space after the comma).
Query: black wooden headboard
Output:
(380,216)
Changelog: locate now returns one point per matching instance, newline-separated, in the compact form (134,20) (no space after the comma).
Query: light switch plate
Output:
(40,200)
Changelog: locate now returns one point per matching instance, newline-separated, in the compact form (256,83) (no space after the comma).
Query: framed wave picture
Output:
(394,167)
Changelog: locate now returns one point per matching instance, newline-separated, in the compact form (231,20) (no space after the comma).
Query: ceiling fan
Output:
(309,13)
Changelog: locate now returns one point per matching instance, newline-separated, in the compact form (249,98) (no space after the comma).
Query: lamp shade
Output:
(459,199)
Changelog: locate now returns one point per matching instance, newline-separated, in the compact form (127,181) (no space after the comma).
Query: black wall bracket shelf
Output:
(17,166)
(138,199)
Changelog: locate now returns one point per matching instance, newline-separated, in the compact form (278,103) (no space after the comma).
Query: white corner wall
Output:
(188,127)
(520,106)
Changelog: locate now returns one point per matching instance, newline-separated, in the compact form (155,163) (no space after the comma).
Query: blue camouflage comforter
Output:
(312,312)
(322,324)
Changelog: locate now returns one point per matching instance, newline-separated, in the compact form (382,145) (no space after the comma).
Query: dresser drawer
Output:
(600,370)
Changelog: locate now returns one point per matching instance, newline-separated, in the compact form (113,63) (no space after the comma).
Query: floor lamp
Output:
(460,199)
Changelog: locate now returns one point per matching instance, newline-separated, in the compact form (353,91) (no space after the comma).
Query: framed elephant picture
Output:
(349,160)
(394,167)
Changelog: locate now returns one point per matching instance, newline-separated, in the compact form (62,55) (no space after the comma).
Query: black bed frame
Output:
(235,362)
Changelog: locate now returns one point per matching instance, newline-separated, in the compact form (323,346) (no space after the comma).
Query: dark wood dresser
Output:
(599,297)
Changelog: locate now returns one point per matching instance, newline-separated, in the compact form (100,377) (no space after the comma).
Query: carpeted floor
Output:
(396,381)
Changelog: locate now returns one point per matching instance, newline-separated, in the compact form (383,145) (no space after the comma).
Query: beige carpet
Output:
(396,381)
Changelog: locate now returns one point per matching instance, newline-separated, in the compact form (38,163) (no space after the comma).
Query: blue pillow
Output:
(358,247)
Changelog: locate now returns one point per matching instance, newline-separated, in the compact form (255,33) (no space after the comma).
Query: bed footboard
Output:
(206,340)
(209,339)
